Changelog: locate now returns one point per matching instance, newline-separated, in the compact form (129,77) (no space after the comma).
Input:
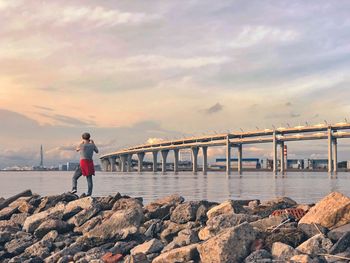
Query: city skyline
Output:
(130,72)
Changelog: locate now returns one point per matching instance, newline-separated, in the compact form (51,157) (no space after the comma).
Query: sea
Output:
(303,187)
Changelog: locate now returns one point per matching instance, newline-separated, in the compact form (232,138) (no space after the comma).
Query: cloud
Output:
(67,120)
(217,107)
(43,108)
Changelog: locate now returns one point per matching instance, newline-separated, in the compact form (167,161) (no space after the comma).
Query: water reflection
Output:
(303,187)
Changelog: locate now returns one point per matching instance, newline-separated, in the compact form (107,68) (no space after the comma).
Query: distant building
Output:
(295,164)
(71,166)
(252,163)
(317,164)
(62,167)
(185,155)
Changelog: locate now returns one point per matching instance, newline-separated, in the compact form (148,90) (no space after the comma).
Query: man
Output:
(86,166)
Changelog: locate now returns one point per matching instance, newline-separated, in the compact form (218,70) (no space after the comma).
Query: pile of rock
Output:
(65,228)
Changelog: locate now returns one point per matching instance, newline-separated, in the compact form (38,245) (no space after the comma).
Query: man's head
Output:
(85,136)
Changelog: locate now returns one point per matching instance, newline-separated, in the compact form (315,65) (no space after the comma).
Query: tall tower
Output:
(41,157)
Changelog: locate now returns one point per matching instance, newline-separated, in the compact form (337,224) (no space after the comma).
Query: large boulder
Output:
(231,245)
(316,245)
(7,212)
(338,232)
(342,244)
(267,207)
(82,203)
(184,238)
(161,208)
(52,224)
(226,207)
(84,215)
(185,212)
(119,226)
(179,255)
(33,221)
(268,223)
(289,235)
(170,230)
(261,255)
(223,221)
(88,225)
(51,201)
(331,212)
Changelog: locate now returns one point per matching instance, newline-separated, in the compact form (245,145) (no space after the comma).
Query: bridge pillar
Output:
(176,161)
(140,157)
(105,164)
(164,156)
(274,153)
(129,159)
(282,168)
(122,163)
(155,162)
(239,161)
(112,164)
(205,159)
(335,154)
(330,155)
(194,159)
(228,156)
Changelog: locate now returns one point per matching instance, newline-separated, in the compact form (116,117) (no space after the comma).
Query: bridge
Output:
(276,137)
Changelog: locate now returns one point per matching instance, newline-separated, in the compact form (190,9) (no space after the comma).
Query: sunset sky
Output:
(127,71)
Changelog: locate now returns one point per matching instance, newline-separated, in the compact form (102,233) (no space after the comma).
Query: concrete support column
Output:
(205,159)
(274,153)
(164,156)
(282,168)
(105,164)
(112,164)
(129,162)
(155,162)
(122,163)
(330,155)
(228,156)
(335,154)
(194,159)
(176,161)
(140,157)
(239,159)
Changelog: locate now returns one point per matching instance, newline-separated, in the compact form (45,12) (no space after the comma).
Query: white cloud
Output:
(253,35)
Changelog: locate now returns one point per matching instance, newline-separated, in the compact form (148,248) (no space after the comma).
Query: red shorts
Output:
(87,167)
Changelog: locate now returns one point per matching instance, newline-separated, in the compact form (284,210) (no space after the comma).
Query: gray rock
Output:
(19,218)
(283,252)
(68,251)
(316,245)
(231,245)
(70,213)
(82,203)
(180,255)
(267,207)
(88,225)
(52,224)
(139,258)
(5,236)
(171,230)
(17,246)
(311,230)
(161,208)
(266,224)
(51,201)
(152,246)
(184,212)
(259,256)
(342,244)
(338,232)
(84,215)
(184,238)
(290,236)
(123,247)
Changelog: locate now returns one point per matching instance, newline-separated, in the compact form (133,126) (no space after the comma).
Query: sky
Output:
(130,71)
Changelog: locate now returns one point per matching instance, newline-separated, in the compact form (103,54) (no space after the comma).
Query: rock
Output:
(119,226)
(267,223)
(342,244)
(33,221)
(185,212)
(185,237)
(110,258)
(126,203)
(70,213)
(301,259)
(171,230)
(52,224)
(331,212)
(17,246)
(266,208)
(83,203)
(283,252)
(68,251)
(107,202)
(338,232)
(311,230)
(50,237)
(161,207)
(139,258)
(226,207)
(123,247)
(152,246)
(8,224)
(84,215)
(260,255)
(316,245)
(39,249)
(5,236)
(7,212)
(289,236)
(220,222)
(179,255)
(51,201)
(26,207)
(11,199)
(88,225)
(231,245)
(19,218)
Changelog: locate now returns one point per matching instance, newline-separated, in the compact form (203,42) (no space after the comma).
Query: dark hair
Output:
(85,136)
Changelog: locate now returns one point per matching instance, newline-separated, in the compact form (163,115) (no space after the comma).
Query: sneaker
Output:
(74,191)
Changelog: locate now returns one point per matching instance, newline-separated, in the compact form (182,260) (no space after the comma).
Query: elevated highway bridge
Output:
(276,137)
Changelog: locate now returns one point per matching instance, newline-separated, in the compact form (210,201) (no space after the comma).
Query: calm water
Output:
(302,187)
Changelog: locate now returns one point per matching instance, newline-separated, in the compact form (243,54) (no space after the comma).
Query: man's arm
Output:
(78,147)
(95,149)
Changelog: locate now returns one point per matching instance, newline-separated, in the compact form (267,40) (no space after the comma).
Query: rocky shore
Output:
(66,228)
